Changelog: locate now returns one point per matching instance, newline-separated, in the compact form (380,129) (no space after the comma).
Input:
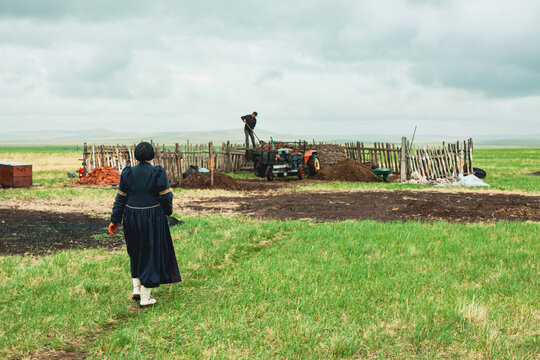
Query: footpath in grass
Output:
(295,289)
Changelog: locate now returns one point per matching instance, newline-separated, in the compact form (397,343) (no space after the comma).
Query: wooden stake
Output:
(403,167)
(211,165)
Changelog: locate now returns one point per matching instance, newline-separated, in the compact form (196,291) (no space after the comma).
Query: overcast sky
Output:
(459,68)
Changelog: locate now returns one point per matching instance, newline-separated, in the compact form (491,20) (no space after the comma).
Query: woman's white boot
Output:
(145,297)
(136,289)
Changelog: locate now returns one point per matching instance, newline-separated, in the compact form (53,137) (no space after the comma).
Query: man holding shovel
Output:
(250,120)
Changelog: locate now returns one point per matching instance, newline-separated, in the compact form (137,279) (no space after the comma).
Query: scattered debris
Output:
(469,180)
(347,170)
(417,179)
(104,175)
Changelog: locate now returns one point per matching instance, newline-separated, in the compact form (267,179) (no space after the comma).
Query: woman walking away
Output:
(144,198)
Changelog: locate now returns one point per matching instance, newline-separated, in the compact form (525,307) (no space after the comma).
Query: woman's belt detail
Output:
(142,208)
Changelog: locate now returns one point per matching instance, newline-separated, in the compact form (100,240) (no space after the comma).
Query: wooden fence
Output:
(379,155)
(446,161)
(431,162)
(228,158)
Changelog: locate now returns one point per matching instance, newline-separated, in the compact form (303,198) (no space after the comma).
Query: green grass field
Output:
(293,289)
(290,290)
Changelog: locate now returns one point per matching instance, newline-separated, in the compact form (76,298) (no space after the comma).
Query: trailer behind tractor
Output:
(284,162)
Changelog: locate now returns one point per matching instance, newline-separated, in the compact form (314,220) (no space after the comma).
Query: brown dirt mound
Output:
(277,145)
(346,170)
(202,181)
(104,175)
(328,153)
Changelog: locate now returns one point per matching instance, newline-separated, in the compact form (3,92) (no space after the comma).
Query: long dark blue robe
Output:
(144,199)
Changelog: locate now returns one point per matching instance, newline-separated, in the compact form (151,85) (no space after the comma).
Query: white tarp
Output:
(469,180)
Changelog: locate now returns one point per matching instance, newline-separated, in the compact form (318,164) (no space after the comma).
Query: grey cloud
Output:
(269,75)
(51,10)
(495,80)
(481,49)
(102,75)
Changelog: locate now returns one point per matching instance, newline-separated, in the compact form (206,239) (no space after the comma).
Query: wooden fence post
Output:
(403,165)
(178,167)
(85,156)
(229,160)
(211,164)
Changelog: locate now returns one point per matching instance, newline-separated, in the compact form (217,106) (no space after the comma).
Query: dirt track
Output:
(376,205)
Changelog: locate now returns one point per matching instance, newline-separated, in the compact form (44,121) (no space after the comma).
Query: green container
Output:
(382,173)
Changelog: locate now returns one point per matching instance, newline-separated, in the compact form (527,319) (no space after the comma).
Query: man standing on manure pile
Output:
(250,120)
(144,199)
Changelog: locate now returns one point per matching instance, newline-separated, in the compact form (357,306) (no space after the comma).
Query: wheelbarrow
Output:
(382,173)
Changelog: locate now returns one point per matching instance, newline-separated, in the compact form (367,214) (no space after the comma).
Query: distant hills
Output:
(102,136)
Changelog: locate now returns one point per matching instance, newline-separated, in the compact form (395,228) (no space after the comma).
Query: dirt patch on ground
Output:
(225,182)
(39,232)
(202,181)
(376,205)
(56,355)
(346,170)
(93,207)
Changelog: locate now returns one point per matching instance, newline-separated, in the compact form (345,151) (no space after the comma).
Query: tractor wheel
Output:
(314,165)
(269,173)
(301,172)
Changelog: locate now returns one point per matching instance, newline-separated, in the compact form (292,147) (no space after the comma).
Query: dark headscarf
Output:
(144,151)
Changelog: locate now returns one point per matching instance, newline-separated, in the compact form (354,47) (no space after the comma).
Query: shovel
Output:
(262,143)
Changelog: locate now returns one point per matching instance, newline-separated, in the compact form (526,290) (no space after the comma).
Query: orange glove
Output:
(113,228)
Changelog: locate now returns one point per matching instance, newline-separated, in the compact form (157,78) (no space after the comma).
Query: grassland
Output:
(294,289)
(290,290)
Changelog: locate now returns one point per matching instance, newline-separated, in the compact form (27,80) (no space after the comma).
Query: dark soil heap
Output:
(277,145)
(328,153)
(104,175)
(346,170)
(202,181)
